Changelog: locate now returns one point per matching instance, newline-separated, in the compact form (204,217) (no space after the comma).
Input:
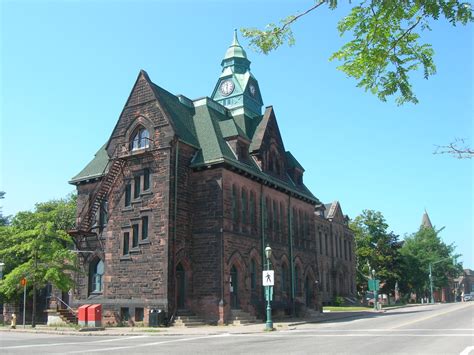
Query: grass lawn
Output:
(345,309)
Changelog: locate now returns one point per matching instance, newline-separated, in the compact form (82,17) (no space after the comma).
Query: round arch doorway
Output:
(234,288)
(180,287)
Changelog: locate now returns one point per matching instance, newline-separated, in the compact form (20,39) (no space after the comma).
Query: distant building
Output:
(176,209)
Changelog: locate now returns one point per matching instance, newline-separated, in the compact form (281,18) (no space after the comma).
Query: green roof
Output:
(96,167)
(292,162)
(205,124)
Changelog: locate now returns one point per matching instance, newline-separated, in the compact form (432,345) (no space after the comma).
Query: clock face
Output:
(252,89)
(227,87)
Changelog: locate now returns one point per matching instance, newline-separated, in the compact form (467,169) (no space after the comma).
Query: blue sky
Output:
(67,68)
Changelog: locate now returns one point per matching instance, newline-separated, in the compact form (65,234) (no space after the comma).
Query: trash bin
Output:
(94,315)
(82,315)
(153,318)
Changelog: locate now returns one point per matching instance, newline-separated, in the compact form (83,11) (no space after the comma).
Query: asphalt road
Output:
(433,329)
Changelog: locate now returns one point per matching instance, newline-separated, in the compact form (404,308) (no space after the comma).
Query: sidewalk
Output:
(289,324)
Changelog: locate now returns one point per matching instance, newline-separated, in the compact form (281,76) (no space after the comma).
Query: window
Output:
(326,243)
(275,219)
(96,274)
(234,204)
(144,227)
(244,207)
(140,140)
(146,179)
(350,251)
(252,209)
(253,275)
(136,187)
(103,213)
(139,314)
(124,314)
(135,236)
(320,243)
(128,195)
(280,222)
(126,243)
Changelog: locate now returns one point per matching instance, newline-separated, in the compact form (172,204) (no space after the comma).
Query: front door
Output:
(308,291)
(180,286)
(234,288)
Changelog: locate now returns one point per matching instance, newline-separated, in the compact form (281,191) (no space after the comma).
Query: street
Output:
(429,329)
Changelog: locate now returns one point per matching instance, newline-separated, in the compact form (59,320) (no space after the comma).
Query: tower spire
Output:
(425,221)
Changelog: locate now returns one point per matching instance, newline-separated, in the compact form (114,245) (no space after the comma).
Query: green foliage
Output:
(386,44)
(376,249)
(418,251)
(4,220)
(338,301)
(36,246)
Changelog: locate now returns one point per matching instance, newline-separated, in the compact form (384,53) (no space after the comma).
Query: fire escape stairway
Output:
(95,201)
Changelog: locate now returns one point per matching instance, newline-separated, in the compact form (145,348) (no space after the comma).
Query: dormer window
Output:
(140,140)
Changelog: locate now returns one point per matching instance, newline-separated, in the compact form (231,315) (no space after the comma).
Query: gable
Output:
(334,212)
(267,144)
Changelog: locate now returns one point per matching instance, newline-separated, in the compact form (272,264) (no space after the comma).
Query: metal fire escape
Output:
(84,232)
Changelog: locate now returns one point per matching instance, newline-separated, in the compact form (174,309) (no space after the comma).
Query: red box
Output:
(94,315)
(82,314)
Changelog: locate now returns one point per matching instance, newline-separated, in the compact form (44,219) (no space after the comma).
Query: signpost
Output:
(374,285)
(23,283)
(268,280)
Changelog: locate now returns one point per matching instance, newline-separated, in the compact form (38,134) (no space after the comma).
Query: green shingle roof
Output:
(96,167)
(205,124)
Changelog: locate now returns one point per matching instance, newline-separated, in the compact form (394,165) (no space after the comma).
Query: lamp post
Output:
(430,267)
(269,323)
(376,296)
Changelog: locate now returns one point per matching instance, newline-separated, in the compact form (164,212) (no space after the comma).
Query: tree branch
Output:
(456,148)
(315,6)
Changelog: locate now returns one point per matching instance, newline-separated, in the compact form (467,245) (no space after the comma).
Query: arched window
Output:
(96,274)
(140,139)
(284,279)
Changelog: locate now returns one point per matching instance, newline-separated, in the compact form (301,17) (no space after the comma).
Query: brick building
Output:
(175,210)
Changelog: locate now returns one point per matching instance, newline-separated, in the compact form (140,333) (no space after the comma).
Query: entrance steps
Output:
(186,318)
(239,317)
(311,313)
(67,316)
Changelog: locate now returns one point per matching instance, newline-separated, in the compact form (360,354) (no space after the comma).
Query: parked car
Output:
(468,297)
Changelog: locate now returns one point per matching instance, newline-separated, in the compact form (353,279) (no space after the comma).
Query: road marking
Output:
(73,343)
(148,344)
(467,350)
(431,316)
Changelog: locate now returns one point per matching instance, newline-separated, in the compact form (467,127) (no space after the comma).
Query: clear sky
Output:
(67,68)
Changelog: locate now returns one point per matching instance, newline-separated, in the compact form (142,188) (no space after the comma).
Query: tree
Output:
(385,47)
(4,220)
(386,44)
(376,249)
(36,246)
(418,251)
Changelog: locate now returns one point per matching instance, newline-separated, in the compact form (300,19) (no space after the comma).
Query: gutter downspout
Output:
(292,262)
(175,221)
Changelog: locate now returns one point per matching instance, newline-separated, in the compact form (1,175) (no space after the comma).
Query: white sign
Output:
(268,279)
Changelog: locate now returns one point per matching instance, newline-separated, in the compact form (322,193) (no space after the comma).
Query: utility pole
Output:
(33,312)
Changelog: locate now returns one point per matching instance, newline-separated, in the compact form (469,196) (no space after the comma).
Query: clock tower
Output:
(237,89)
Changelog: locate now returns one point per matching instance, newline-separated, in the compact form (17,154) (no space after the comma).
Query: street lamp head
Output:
(268,252)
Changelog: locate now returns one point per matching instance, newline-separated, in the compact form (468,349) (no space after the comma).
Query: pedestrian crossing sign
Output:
(268,279)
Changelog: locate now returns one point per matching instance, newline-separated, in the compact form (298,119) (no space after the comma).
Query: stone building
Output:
(175,210)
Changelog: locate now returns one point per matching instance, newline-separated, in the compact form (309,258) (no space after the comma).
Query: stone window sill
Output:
(135,250)
(127,209)
(144,242)
(125,257)
(146,193)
